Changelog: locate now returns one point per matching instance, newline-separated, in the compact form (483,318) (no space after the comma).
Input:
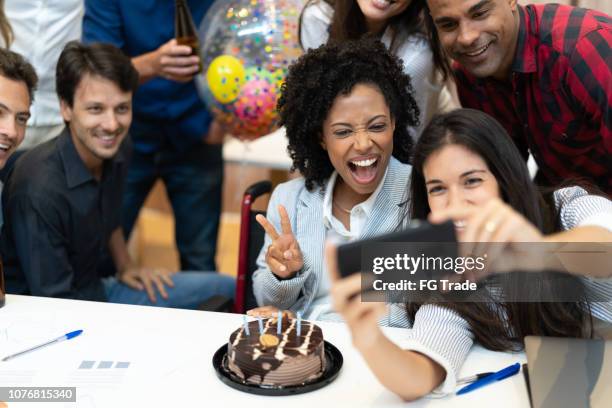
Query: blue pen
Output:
(500,375)
(66,336)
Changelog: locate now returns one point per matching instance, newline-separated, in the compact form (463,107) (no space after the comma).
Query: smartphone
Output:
(350,254)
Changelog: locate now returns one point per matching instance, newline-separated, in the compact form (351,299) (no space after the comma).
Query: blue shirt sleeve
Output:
(102,22)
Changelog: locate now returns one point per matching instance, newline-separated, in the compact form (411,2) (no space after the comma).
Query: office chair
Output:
(250,243)
(251,240)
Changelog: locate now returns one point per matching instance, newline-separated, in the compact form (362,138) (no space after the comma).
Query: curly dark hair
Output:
(318,77)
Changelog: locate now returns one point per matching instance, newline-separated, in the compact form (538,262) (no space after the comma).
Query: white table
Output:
(268,151)
(170,353)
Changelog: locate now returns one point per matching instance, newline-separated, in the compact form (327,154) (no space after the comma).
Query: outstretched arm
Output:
(407,373)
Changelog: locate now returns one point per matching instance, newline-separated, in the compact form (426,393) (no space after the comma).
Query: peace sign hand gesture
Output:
(284,257)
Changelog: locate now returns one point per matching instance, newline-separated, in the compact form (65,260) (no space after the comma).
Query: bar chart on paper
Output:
(98,373)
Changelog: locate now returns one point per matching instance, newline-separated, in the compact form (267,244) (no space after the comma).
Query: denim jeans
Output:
(189,291)
(193,182)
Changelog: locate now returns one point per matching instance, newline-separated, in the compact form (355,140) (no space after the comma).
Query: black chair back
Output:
(251,240)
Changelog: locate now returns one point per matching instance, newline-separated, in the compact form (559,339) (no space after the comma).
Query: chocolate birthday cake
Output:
(268,358)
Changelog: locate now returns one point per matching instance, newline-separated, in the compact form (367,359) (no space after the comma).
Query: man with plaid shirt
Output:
(543,71)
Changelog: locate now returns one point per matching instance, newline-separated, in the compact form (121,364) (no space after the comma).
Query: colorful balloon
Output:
(247,46)
(255,108)
(224,77)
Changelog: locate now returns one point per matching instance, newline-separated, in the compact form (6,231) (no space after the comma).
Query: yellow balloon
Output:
(225,76)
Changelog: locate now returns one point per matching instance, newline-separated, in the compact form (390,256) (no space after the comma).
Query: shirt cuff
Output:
(449,384)
(603,220)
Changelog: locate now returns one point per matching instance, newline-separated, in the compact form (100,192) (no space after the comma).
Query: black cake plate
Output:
(333,364)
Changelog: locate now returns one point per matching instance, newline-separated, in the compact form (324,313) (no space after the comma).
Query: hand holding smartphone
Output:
(350,254)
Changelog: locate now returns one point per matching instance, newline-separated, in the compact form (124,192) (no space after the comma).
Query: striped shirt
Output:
(558,101)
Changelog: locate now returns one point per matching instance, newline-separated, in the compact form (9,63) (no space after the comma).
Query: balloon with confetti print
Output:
(247,46)
(256,105)
(225,76)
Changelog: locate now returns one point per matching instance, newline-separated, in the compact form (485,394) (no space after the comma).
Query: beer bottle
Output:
(1,285)
(184,28)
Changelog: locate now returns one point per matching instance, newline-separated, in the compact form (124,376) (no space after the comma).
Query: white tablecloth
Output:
(170,351)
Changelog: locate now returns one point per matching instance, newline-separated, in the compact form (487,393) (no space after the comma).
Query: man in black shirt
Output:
(18,81)
(62,201)
(17,84)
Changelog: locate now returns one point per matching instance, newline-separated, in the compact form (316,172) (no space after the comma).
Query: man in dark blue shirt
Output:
(174,136)
(62,199)
(18,82)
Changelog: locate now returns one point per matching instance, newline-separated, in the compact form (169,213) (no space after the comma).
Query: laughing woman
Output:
(346,109)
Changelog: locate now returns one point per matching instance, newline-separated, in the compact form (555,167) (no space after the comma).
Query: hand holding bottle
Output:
(179,58)
(175,62)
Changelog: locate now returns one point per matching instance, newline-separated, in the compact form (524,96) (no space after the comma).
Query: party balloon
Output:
(255,106)
(224,77)
(247,46)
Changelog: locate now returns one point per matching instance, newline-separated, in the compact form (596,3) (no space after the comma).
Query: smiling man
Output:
(543,71)
(62,201)
(18,82)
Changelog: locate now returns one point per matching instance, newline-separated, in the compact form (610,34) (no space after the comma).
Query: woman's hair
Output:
(483,135)
(5,28)
(348,21)
(500,325)
(314,82)
(440,58)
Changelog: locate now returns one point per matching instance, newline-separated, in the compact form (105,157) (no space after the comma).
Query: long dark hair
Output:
(348,21)
(501,325)
(441,59)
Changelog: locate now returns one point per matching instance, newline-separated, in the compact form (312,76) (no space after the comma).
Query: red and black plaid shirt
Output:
(558,103)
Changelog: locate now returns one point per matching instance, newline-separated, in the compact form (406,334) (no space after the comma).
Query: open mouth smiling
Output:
(478,51)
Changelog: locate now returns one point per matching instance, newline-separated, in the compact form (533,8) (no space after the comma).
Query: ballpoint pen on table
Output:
(499,375)
(472,378)
(66,336)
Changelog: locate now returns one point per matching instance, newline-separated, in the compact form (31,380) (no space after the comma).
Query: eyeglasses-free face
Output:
(358,137)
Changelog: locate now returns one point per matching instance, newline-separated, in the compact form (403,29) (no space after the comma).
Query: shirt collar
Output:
(76,171)
(525,56)
(366,206)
